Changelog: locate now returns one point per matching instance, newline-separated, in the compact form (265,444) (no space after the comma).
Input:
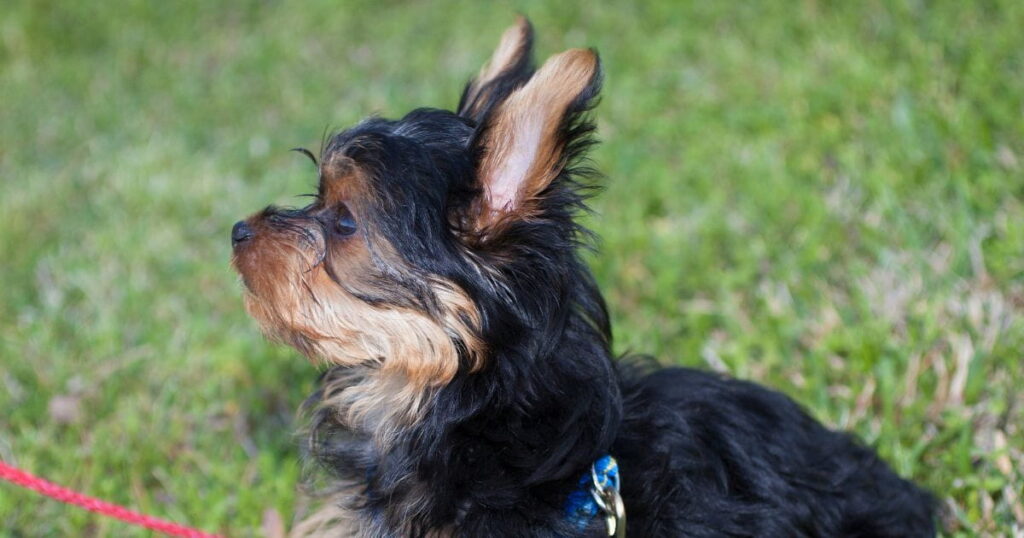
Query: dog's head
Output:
(437,240)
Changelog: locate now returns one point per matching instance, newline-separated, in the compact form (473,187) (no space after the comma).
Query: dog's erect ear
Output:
(509,67)
(526,141)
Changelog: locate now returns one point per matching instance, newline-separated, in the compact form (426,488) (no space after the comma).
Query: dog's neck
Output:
(518,433)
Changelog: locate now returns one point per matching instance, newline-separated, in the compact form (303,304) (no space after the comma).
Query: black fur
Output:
(500,450)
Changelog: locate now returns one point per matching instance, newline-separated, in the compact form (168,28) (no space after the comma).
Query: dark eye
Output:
(345,223)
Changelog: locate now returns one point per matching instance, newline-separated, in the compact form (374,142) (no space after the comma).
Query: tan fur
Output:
(343,180)
(333,520)
(409,352)
(333,515)
(330,520)
(512,47)
(524,152)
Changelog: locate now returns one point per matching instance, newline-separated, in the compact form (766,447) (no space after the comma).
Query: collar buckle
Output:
(606,494)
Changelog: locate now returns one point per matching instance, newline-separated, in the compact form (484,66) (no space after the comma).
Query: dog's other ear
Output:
(509,68)
(527,141)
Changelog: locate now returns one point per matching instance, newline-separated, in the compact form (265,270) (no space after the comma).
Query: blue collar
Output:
(589,498)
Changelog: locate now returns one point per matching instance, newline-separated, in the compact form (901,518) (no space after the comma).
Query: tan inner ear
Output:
(514,44)
(523,149)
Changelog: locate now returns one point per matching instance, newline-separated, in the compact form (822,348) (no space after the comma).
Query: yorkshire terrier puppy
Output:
(472,390)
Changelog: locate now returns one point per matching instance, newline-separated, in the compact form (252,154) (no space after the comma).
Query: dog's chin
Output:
(246,285)
(269,319)
(250,293)
(240,264)
(257,284)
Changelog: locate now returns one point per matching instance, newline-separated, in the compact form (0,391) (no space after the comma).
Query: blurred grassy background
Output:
(823,196)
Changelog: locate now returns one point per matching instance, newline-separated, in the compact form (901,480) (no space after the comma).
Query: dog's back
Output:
(713,456)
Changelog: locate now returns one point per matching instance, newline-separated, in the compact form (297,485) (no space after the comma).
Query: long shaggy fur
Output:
(492,441)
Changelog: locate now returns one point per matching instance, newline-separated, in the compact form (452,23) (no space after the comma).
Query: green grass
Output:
(825,197)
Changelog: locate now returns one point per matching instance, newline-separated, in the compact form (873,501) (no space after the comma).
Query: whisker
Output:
(307,153)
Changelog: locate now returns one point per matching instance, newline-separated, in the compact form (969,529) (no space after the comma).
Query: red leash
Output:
(49,489)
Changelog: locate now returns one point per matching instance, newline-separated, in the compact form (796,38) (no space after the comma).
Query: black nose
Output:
(240,233)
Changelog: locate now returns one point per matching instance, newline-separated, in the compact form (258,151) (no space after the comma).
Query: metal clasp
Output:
(610,502)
